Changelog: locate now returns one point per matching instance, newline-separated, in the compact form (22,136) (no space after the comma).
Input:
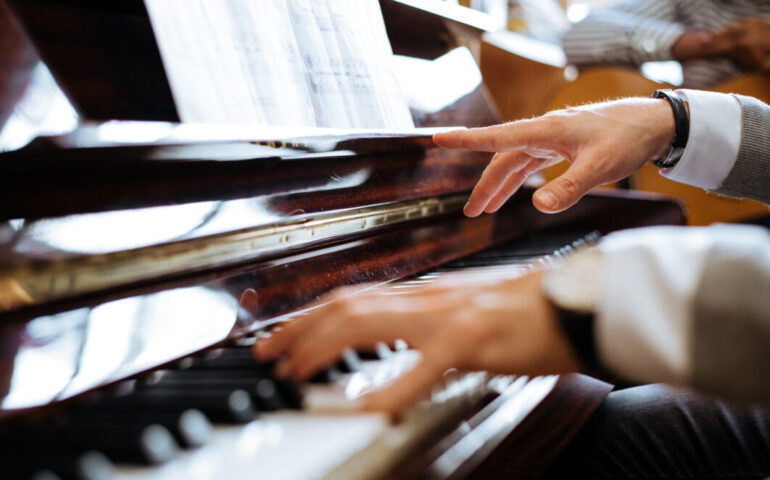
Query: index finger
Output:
(414,384)
(497,138)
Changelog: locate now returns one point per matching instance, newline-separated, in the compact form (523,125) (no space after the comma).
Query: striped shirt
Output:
(637,31)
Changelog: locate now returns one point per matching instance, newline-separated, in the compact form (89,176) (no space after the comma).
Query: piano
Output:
(135,275)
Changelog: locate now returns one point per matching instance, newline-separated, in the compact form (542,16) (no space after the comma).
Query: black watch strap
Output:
(681,126)
(579,329)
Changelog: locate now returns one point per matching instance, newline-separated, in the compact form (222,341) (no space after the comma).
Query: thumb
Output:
(565,190)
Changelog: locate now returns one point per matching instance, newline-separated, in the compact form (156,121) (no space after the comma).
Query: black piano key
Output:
(289,392)
(241,358)
(190,427)
(268,394)
(234,374)
(220,406)
(230,357)
(90,465)
(43,475)
(151,444)
(330,375)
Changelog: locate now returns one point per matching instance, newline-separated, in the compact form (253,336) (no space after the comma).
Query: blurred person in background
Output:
(713,39)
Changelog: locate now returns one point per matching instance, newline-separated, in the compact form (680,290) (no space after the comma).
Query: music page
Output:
(294,63)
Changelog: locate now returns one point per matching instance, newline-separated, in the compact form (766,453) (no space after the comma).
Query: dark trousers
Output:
(655,431)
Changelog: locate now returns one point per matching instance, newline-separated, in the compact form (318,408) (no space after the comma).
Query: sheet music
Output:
(376,52)
(299,63)
(330,103)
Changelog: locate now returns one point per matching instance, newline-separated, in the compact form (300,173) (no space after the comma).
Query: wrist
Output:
(664,129)
(573,289)
(679,113)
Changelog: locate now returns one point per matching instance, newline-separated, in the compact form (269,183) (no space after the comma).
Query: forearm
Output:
(688,307)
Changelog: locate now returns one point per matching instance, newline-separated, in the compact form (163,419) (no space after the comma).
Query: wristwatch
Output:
(574,290)
(681,128)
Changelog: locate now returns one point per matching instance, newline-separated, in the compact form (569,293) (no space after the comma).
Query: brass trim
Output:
(53,280)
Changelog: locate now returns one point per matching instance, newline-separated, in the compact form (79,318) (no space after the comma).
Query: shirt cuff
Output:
(715,135)
(644,313)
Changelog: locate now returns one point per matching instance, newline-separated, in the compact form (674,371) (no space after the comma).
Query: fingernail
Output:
(469,212)
(546,198)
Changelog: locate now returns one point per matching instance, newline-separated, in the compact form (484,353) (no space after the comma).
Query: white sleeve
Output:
(645,318)
(715,135)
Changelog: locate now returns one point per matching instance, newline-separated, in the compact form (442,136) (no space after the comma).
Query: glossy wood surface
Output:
(275,288)
(226,302)
(64,182)
(516,448)
(419,29)
(17,59)
(533,446)
(103,54)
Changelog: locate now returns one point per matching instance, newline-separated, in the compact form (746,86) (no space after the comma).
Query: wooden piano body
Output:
(116,262)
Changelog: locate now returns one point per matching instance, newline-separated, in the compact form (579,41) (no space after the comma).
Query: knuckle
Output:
(485,190)
(466,330)
(569,185)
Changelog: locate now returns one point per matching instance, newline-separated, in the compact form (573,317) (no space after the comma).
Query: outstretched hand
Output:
(604,142)
(505,327)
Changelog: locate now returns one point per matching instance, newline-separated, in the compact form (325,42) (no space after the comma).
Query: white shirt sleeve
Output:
(715,135)
(650,278)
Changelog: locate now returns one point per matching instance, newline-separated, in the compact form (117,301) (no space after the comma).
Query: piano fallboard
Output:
(135,326)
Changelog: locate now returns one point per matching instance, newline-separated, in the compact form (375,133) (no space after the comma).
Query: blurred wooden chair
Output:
(521,74)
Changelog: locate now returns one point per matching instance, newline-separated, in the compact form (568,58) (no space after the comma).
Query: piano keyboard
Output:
(222,414)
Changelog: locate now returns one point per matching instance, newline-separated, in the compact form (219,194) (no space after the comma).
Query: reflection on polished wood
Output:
(207,303)
(76,181)
(160,291)
(103,54)
(428,29)
(536,440)
(543,434)
(36,280)
(17,59)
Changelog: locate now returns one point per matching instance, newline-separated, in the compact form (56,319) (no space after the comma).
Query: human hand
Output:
(604,142)
(696,44)
(747,43)
(508,327)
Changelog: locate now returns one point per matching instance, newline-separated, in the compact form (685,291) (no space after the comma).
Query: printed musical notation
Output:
(300,63)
